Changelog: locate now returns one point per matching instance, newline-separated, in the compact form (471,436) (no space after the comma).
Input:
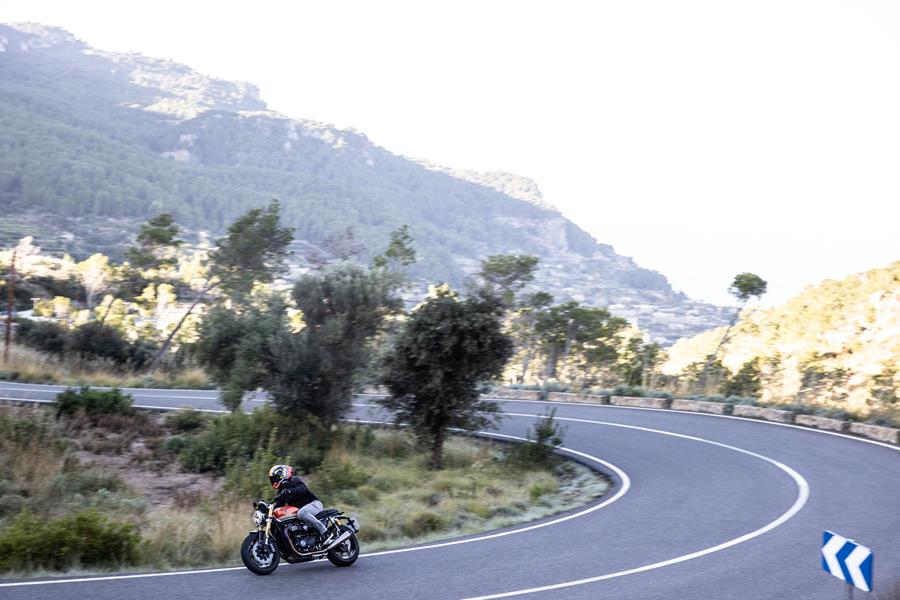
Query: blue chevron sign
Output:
(847,560)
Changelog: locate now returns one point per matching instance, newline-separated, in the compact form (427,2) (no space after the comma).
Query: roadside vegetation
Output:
(178,486)
(172,315)
(99,486)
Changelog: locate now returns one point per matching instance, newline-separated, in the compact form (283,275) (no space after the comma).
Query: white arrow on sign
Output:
(830,550)
(847,560)
(853,562)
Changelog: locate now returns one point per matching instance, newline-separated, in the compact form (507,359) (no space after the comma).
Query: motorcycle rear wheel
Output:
(250,553)
(345,553)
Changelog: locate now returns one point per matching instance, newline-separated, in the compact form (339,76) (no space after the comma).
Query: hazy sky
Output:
(701,138)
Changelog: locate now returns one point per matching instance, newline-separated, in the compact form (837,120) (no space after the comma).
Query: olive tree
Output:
(438,364)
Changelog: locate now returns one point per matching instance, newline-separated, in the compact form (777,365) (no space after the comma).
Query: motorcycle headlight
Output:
(259,518)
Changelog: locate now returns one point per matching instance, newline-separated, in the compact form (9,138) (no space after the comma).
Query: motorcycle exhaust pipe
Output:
(341,538)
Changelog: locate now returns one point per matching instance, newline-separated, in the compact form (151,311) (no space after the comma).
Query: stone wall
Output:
(876,432)
(758,412)
(821,422)
(581,398)
(702,406)
(639,402)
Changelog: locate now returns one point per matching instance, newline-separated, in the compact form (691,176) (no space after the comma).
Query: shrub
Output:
(393,444)
(546,435)
(85,539)
(83,482)
(542,486)
(140,352)
(339,476)
(93,402)
(94,341)
(246,479)
(639,392)
(183,421)
(228,439)
(44,336)
(235,438)
(423,522)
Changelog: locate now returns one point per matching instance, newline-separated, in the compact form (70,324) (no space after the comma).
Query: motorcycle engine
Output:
(302,536)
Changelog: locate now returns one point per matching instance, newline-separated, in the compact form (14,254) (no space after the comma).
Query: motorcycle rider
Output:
(292,491)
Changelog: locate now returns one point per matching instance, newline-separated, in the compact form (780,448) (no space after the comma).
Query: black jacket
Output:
(293,492)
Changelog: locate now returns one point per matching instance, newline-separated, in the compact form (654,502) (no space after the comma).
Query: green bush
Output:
(423,522)
(93,341)
(247,479)
(93,402)
(340,476)
(639,392)
(84,482)
(44,336)
(228,439)
(183,421)
(83,539)
(538,451)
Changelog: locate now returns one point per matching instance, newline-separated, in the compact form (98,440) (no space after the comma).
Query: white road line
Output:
(802,497)
(625,486)
(691,412)
(799,502)
(623,477)
(148,406)
(59,387)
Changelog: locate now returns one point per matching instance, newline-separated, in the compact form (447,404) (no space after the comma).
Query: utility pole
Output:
(10,303)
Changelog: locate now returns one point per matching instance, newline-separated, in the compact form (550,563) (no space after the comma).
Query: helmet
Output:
(278,473)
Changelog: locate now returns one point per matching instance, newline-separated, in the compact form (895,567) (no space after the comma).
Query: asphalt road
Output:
(705,507)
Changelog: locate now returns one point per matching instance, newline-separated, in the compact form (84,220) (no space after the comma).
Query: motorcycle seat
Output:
(328,512)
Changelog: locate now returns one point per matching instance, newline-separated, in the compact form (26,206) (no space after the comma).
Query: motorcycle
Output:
(280,534)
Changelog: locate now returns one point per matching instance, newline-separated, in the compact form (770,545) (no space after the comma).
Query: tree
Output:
(155,243)
(637,361)
(439,362)
(744,287)
(95,274)
(506,274)
(523,328)
(317,368)
(400,252)
(253,251)
(236,347)
(572,329)
(746,382)
(747,285)
(340,246)
(309,373)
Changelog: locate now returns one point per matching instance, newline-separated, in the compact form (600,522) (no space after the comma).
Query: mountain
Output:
(835,344)
(93,142)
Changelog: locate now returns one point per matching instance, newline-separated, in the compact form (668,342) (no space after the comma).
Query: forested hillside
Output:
(92,142)
(835,345)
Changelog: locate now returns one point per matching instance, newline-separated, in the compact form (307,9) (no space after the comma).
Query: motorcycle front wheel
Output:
(259,558)
(345,553)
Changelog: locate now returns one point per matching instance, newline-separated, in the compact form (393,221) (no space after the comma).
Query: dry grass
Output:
(204,536)
(403,502)
(30,444)
(379,475)
(26,365)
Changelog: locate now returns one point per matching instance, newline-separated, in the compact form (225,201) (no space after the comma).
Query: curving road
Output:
(705,507)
